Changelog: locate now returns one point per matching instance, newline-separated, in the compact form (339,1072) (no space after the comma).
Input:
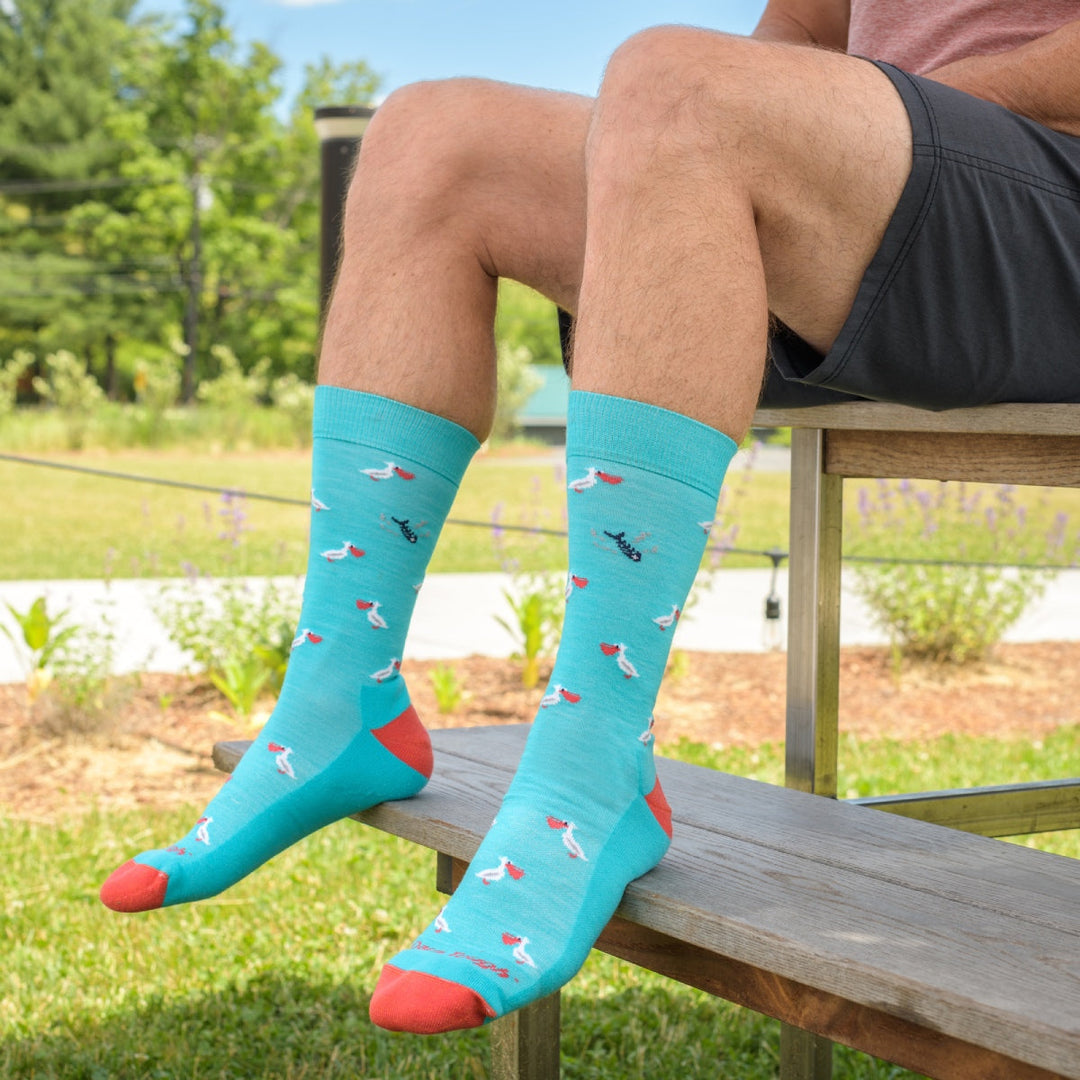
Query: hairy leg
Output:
(458,183)
(692,218)
(727,177)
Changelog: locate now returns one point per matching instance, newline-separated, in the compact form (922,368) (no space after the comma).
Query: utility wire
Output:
(41,187)
(187,485)
(775,555)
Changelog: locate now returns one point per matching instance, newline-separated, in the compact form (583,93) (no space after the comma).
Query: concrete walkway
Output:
(455,616)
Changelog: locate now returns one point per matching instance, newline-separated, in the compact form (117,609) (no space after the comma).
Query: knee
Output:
(677,90)
(419,152)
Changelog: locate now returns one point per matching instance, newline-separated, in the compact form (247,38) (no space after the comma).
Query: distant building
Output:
(543,416)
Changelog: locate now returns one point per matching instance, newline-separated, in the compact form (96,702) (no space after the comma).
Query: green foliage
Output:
(42,634)
(233,630)
(83,697)
(220,622)
(536,597)
(233,390)
(73,391)
(537,604)
(241,680)
(157,384)
(233,393)
(160,194)
(237,629)
(69,669)
(525,319)
(449,693)
(10,375)
(296,399)
(157,390)
(947,613)
(517,383)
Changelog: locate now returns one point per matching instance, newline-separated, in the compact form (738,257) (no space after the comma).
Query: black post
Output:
(340,129)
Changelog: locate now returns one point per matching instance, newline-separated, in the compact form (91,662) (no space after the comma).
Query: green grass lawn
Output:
(271,981)
(60,524)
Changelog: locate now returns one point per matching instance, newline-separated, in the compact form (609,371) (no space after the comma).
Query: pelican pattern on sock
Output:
(343,735)
(585,814)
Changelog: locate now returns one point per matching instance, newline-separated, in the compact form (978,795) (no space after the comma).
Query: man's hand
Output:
(1039,80)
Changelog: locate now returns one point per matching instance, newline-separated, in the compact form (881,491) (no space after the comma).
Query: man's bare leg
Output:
(412,323)
(721,176)
(726,178)
(458,183)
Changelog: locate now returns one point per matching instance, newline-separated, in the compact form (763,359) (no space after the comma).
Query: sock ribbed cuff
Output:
(383,424)
(648,437)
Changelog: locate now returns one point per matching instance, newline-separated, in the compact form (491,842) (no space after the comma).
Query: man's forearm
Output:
(1040,79)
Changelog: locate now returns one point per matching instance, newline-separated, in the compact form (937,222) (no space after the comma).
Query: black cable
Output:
(775,555)
(111,475)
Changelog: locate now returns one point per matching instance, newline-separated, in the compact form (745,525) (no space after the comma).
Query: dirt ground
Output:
(156,752)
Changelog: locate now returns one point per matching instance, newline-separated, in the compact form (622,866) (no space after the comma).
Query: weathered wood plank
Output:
(957,933)
(829,833)
(904,1042)
(1043,460)
(865,1028)
(880,416)
(456,809)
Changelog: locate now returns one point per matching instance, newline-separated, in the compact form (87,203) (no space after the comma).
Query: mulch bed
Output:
(155,750)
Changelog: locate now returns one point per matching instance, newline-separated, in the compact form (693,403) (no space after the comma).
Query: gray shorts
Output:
(974,295)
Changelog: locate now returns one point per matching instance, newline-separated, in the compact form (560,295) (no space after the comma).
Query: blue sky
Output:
(561,44)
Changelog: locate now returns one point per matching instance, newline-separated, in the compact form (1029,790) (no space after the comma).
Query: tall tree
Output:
(161,196)
(58,83)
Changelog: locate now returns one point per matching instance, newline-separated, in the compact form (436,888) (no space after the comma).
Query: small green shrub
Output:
(537,603)
(42,634)
(232,395)
(230,621)
(241,681)
(517,383)
(79,694)
(10,374)
(157,390)
(296,399)
(536,598)
(73,391)
(449,693)
(947,612)
(237,630)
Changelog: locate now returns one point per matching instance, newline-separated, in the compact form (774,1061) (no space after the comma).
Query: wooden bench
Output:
(932,947)
(949,953)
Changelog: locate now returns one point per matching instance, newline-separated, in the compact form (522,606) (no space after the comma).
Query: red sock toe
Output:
(425,1004)
(135,887)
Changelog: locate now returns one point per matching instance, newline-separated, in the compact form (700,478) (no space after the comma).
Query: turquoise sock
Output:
(584,815)
(343,735)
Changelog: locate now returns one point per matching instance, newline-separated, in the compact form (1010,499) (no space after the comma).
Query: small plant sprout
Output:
(43,636)
(449,693)
(241,681)
(536,599)
(537,605)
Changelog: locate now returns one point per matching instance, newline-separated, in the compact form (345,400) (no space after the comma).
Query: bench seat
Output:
(945,952)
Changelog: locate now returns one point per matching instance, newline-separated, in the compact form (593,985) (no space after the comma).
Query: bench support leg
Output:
(813,674)
(803,1055)
(525,1044)
(813,671)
